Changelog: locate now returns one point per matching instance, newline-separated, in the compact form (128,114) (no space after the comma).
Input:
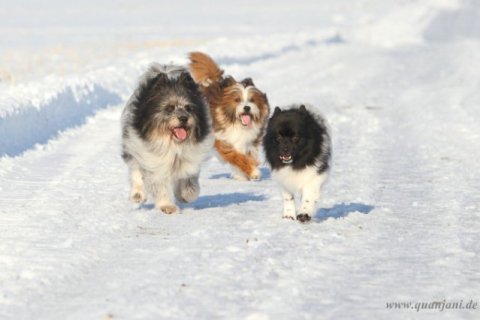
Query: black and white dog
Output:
(298,148)
(166,134)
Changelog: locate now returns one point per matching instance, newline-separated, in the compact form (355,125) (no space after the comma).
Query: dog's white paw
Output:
(138,196)
(256,175)
(169,209)
(289,213)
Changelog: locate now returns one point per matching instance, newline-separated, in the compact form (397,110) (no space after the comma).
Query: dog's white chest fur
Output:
(296,180)
(168,159)
(177,161)
(240,137)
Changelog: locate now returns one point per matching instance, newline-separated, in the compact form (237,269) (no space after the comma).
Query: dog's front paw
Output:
(255,176)
(169,209)
(138,197)
(303,217)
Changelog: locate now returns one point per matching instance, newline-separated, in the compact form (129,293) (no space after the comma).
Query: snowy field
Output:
(398,224)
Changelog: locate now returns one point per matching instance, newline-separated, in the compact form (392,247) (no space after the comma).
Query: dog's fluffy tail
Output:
(203,69)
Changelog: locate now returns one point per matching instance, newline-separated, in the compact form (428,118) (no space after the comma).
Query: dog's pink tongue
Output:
(180,133)
(245,119)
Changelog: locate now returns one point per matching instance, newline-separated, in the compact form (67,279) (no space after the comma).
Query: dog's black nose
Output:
(183,119)
(247,108)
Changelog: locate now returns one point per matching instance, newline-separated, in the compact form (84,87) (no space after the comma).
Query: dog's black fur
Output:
(299,134)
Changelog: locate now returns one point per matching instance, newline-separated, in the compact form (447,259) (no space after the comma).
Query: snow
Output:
(399,216)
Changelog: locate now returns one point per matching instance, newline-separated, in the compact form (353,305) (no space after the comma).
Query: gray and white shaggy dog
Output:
(166,134)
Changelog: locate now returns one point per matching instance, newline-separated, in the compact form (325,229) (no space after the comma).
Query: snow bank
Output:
(399,26)
(34,112)
(455,23)
(26,123)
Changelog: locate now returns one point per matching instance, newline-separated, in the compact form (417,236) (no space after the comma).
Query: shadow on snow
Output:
(216,201)
(224,200)
(333,40)
(264,171)
(341,211)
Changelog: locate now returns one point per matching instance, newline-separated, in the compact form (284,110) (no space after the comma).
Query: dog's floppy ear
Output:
(302,108)
(228,81)
(247,82)
(277,110)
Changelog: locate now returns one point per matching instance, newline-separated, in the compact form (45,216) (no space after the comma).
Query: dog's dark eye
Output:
(238,100)
(188,108)
(169,108)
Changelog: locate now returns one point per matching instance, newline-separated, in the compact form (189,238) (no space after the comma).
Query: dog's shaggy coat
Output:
(239,112)
(166,134)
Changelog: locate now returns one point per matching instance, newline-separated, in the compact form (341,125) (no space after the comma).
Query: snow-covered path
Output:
(398,221)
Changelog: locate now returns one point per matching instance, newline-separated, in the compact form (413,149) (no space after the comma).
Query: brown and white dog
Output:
(239,113)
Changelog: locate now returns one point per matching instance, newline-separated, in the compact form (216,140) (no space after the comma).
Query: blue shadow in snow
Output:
(333,40)
(224,200)
(220,176)
(146,206)
(215,201)
(265,175)
(342,210)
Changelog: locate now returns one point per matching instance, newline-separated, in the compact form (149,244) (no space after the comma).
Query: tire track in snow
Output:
(287,49)
(58,218)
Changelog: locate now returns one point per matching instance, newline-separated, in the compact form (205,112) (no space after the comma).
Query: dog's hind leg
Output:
(187,190)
